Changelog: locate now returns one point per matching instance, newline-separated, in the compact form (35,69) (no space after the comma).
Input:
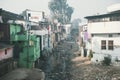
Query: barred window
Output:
(103,44)
(110,45)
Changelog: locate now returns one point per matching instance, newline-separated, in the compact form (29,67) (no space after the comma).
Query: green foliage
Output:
(74,33)
(61,10)
(91,54)
(107,60)
(75,23)
(116,59)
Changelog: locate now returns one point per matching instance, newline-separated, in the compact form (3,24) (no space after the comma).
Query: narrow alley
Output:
(67,64)
(59,62)
(59,40)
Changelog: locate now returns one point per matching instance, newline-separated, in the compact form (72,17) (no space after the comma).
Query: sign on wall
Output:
(35,16)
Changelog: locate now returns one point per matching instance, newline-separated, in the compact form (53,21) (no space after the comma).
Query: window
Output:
(5,51)
(110,45)
(106,19)
(118,33)
(103,44)
(92,35)
(110,35)
(115,18)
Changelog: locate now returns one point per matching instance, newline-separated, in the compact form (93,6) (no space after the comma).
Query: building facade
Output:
(104,33)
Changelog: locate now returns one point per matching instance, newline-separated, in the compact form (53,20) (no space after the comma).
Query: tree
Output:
(75,23)
(61,10)
(74,34)
(75,28)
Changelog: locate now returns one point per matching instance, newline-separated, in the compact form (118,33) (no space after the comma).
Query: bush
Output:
(107,60)
(90,55)
(116,59)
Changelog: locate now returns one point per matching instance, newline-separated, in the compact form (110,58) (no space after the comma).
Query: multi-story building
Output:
(39,26)
(104,33)
(67,29)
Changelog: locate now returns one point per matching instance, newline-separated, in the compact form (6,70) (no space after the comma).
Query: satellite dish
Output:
(114,7)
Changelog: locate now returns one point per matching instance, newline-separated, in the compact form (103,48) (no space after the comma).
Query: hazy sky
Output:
(82,8)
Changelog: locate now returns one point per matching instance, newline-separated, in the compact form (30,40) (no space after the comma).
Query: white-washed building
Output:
(38,23)
(67,28)
(104,33)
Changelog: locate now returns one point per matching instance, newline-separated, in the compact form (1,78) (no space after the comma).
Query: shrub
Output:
(116,59)
(107,60)
(90,55)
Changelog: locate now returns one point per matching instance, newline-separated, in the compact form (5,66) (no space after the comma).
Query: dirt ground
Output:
(74,67)
(24,74)
(83,69)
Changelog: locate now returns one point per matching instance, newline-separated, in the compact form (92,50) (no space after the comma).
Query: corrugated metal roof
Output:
(4,46)
(6,15)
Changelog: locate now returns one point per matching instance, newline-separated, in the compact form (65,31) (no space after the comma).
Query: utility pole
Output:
(28,28)
(48,35)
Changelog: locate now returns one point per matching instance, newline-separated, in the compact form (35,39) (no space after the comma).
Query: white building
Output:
(38,23)
(33,16)
(67,29)
(104,32)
